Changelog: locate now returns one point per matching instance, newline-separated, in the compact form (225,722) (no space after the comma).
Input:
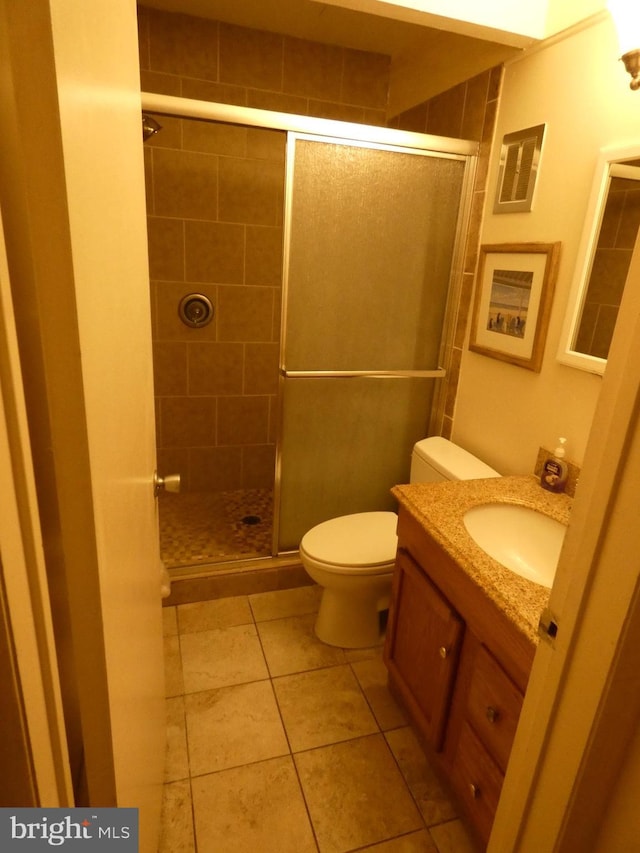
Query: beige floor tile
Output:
(221,657)
(169,621)
(232,726)
(217,613)
(177,760)
(372,677)
(290,645)
(355,794)
(254,809)
(415,842)
(285,602)
(425,786)
(453,837)
(173,680)
(321,707)
(176,828)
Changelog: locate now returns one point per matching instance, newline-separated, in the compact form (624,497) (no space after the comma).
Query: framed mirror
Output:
(610,232)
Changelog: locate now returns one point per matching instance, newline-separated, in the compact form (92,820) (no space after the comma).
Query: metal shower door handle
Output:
(170,483)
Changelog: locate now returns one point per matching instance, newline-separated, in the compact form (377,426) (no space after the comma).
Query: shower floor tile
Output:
(204,527)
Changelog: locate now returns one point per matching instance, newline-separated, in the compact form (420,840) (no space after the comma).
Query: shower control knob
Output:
(195,310)
(170,483)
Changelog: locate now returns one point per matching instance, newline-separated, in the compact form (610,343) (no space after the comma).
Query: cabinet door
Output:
(422,649)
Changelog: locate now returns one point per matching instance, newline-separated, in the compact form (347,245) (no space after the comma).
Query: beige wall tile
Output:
(266,144)
(245,313)
(166,248)
(243,420)
(258,466)
(187,421)
(159,83)
(445,112)
(250,191)
(278,102)
(221,93)
(365,79)
(263,259)
(261,368)
(475,106)
(182,44)
(250,58)
(214,252)
(185,184)
(312,69)
(170,368)
(215,138)
(215,369)
(215,469)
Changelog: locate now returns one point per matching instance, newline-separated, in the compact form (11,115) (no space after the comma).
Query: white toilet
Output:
(352,557)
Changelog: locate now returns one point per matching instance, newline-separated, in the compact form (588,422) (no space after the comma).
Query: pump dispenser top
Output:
(555,469)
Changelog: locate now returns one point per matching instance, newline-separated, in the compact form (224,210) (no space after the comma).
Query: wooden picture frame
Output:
(513,296)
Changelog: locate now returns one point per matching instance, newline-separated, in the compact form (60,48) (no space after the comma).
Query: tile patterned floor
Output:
(205,527)
(277,743)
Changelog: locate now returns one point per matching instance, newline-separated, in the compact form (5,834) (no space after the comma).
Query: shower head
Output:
(149,127)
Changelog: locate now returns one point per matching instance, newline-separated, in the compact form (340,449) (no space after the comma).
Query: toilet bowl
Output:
(352,557)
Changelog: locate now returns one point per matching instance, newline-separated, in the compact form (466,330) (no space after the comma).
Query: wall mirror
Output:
(611,228)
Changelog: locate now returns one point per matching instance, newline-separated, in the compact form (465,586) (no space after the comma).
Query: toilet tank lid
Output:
(452,461)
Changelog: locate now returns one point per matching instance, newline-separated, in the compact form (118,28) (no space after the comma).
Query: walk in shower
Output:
(326,254)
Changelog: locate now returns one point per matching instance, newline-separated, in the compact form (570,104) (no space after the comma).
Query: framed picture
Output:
(513,296)
(519,163)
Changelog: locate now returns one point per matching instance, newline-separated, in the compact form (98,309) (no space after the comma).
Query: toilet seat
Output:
(362,543)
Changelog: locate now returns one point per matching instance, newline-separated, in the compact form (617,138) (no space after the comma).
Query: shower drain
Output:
(251,519)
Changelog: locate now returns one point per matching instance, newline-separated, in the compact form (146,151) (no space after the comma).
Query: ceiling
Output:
(420,56)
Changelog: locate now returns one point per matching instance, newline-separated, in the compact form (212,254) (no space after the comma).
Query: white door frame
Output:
(584,693)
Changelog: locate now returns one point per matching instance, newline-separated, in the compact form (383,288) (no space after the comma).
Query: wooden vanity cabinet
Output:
(460,668)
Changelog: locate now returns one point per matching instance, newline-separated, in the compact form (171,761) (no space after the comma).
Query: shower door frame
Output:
(331,130)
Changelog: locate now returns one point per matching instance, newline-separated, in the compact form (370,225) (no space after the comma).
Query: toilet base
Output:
(352,621)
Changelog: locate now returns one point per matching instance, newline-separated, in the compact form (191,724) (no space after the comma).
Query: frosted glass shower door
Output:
(370,236)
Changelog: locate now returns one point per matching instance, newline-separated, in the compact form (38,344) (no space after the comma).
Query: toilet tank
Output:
(436,458)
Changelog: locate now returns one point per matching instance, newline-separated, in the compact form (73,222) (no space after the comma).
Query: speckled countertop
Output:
(440,507)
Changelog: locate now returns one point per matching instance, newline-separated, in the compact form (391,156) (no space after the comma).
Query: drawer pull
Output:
(493,715)
(474,791)
(443,651)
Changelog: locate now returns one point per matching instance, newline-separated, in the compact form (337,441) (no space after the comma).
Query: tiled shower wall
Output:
(216,386)
(215,200)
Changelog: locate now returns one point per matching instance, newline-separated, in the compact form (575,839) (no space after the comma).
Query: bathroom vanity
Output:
(462,634)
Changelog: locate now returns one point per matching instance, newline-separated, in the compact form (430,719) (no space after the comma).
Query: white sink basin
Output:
(525,541)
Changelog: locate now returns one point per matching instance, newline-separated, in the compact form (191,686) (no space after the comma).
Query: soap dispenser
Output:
(555,469)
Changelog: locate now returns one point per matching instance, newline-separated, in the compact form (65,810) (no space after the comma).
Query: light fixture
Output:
(626,16)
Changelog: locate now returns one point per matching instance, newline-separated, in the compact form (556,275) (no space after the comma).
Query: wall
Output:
(575,85)
(215,186)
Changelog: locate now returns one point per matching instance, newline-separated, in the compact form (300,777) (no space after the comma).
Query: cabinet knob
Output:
(492,714)
(474,790)
(443,651)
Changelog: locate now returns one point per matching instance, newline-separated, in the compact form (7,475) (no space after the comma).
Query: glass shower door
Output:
(369,242)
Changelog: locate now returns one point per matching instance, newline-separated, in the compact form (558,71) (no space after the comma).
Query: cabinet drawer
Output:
(477,780)
(493,706)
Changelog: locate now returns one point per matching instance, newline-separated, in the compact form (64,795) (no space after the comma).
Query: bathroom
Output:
(504,413)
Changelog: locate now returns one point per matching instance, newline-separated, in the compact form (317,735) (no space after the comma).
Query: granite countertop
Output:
(440,507)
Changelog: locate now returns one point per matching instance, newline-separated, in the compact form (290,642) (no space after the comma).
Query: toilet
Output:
(352,557)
